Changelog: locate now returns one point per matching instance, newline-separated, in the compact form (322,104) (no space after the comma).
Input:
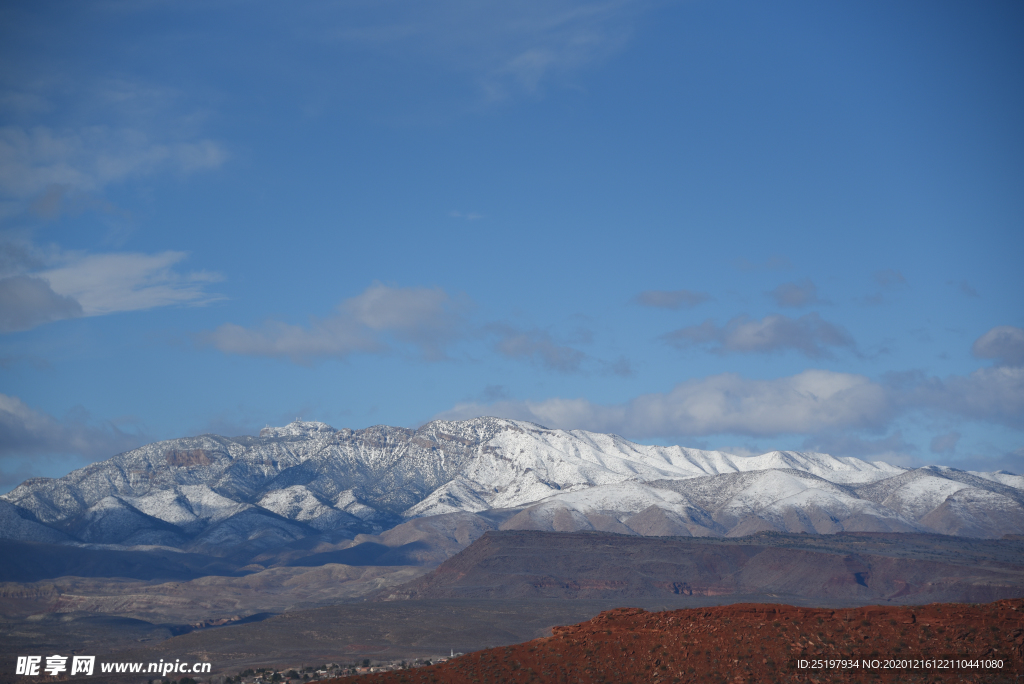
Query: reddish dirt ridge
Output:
(187,458)
(752,643)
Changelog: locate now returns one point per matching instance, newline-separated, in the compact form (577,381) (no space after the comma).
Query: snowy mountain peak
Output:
(297,428)
(306,477)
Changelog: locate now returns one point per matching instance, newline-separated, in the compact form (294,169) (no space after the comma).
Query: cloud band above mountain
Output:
(425,318)
(809,402)
(809,335)
(814,402)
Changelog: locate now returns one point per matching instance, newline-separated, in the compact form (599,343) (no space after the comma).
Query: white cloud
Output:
(829,407)
(78,284)
(425,318)
(418,314)
(34,160)
(809,335)
(1004,343)
(815,401)
(109,283)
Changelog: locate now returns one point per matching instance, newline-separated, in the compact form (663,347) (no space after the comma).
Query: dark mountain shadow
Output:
(34,561)
(367,553)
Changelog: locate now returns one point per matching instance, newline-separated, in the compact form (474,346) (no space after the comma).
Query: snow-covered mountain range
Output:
(307,479)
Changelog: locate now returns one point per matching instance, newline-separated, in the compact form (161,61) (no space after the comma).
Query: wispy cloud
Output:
(889,279)
(425,318)
(809,335)
(803,293)
(507,49)
(538,346)
(772,263)
(671,299)
(832,409)
(492,393)
(965,287)
(26,302)
(992,395)
(70,135)
(45,163)
(558,40)
(467,215)
(945,444)
(620,367)
(1004,344)
(109,283)
(1012,461)
(19,255)
(27,435)
(892,448)
(78,284)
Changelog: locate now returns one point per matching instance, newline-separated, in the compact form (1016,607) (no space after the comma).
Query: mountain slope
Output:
(211,493)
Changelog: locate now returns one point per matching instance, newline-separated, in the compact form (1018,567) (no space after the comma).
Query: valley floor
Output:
(505,588)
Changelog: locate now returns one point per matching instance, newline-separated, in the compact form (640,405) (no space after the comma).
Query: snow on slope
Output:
(738,503)
(531,463)
(839,470)
(308,476)
(298,503)
(1002,477)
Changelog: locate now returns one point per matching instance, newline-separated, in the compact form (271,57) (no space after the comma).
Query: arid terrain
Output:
(505,588)
(862,568)
(755,643)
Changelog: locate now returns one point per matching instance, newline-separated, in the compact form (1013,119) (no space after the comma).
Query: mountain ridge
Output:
(304,479)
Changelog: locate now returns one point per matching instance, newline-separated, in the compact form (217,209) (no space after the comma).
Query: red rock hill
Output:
(753,643)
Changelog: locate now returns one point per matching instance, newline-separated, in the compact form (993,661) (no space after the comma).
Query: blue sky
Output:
(720,224)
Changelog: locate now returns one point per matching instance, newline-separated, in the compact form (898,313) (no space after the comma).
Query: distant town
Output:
(309,673)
